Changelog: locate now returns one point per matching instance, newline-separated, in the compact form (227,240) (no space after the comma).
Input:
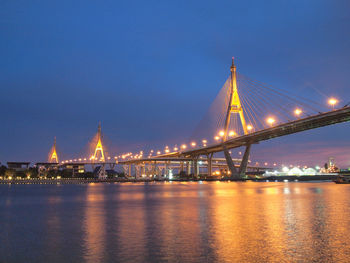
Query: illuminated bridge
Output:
(312,122)
(245,112)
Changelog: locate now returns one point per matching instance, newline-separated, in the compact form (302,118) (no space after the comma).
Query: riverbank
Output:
(326,178)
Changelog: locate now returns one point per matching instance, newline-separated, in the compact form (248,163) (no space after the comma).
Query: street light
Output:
(217,138)
(193,144)
(231,134)
(270,121)
(332,102)
(249,127)
(298,112)
(221,133)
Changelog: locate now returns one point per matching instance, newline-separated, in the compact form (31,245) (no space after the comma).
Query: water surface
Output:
(175,222)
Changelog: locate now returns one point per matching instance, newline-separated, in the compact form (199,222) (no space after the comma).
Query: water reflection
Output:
(94,224)
(177,222)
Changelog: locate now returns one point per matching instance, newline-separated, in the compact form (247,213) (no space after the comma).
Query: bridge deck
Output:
(308,123)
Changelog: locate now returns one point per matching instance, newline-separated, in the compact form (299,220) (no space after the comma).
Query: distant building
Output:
(330,167)
(18,166)
(75,168)
(47,165)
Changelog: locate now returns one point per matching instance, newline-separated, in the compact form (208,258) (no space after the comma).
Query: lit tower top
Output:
(99,147)
(53,158)
(234,104)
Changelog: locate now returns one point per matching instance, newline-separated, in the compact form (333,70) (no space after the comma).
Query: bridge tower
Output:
(99,146)
(235,107)
(53,158)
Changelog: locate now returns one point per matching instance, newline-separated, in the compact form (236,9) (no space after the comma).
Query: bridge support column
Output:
(181,167)
(154,169)
(166,169)
(230,164)
(244,162)
(129,170)
(188,168)
(137,171)
(143,169)
(210,164)
(195,167)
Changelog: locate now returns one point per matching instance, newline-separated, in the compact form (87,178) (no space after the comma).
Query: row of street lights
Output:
(270,121)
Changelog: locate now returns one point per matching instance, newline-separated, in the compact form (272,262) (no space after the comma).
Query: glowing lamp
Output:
(332,102)
(184,146)
(249,127)
(271,120)
(231,133)
(221,133)
(217,138)
(298,112)
(193,144)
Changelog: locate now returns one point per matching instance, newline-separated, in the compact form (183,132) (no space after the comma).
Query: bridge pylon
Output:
(235,107)
(53,157)
(99,147)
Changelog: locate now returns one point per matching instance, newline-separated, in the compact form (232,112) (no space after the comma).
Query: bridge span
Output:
(240,123)
(308,123)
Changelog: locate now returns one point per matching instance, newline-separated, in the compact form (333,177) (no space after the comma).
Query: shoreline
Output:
(322,178)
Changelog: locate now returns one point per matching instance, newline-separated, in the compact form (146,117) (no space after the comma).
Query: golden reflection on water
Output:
(94,224)
(281,223)
(223,222)
(182,222)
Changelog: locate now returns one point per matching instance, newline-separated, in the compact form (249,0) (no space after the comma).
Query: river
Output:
(176,222)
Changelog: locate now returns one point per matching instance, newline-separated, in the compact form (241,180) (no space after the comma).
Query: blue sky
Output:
(148,70)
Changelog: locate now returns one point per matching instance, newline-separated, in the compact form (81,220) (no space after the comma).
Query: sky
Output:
(148,70)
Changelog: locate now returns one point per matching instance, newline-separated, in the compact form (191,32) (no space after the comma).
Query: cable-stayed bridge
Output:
(245,112)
